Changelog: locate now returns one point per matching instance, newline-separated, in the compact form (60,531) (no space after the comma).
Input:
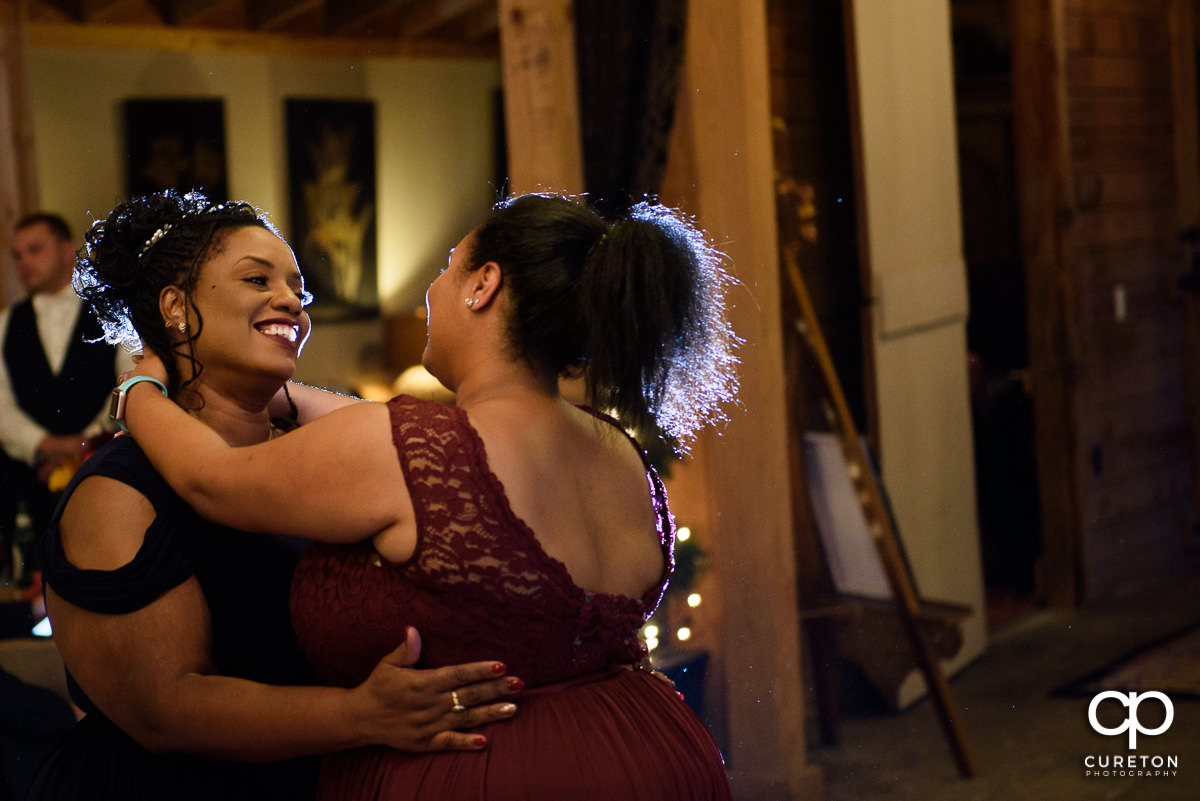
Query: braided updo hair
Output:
(144,245)
(638,304)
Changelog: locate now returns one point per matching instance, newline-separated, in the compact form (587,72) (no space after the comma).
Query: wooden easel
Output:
(879,521)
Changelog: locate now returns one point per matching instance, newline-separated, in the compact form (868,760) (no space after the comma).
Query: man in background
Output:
(56,373)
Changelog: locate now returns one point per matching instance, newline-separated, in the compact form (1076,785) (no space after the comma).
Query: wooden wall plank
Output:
(1090,73)
(1114,148)
(1116,264)
(1187,215)
(1132,9)
(1127,460)
(1111,32)
(1146,545)
(1122,227)
(1044,180)
(1111,187)
(1129,416)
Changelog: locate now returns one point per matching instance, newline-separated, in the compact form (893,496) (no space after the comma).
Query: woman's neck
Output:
(506,381)
(241,418)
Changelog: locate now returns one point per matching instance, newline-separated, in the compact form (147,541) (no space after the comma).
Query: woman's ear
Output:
(484,283)
(172,305)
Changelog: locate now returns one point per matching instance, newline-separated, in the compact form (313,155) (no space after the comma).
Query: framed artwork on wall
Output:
(175,144)
(331,174)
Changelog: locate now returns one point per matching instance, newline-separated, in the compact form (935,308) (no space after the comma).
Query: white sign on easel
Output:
(850,552)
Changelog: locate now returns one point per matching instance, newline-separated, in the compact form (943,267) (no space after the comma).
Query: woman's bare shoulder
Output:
(104,523)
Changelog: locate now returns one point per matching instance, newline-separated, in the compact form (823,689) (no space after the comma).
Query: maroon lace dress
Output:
(479,586)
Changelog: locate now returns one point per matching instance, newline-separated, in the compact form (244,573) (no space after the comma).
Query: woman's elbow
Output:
(156,736)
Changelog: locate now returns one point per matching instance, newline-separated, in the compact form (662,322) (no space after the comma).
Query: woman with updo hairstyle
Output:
(175,632)
(512,522)
(128,259)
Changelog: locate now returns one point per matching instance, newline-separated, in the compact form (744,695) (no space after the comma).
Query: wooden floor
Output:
(1029,743)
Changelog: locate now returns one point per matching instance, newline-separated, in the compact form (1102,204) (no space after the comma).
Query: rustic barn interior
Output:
(995,208)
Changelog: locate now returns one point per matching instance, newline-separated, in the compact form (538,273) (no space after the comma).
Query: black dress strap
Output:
(163,561)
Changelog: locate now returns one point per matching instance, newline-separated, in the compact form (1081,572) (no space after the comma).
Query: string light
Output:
(693,600)
(683,633)
(682,534)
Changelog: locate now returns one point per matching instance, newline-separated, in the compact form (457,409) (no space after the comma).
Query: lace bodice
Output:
(479,585)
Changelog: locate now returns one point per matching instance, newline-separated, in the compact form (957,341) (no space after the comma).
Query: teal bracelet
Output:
(116,408)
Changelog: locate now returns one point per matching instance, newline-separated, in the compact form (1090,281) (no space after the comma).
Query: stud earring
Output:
(470,303)
(183,328)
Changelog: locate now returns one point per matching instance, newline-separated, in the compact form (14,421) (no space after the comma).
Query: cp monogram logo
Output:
(1131,722)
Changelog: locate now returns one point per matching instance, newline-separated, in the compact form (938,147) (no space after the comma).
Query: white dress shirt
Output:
(56,314)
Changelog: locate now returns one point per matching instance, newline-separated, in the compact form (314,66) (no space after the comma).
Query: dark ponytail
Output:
(638,304)
(144,245)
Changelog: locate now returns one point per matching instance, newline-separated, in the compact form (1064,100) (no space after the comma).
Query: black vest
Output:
(68,402)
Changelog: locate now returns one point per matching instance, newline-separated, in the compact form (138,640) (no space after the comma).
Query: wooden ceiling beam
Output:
(279,15)
(203,13)
(438,27)
(354,16)
(419,19)
(282,44)
(53,9)
(118,12)
(481,25)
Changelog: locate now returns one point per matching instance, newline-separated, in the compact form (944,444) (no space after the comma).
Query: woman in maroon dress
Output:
(513,522)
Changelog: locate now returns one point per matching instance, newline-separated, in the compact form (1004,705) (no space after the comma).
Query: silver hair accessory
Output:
(470,303)
(154,237)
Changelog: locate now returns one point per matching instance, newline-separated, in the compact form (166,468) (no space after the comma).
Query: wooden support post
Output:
(541,100)
(721,169)
(18,177)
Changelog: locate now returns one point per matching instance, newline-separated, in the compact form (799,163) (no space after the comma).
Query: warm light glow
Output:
(693,600)
(418,382)
(683,634)
(374,391)
(682,533)
(650,631)
(651,643)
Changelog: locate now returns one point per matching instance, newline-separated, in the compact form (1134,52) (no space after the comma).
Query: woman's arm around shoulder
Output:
(337,479)
(308,402)
(151,672)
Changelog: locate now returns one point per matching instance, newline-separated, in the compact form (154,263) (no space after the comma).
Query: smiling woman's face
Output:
(251,296)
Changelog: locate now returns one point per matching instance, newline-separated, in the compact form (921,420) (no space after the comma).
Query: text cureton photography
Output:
(1130,765)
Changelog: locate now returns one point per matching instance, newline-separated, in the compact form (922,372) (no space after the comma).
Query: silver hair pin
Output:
(157,235)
